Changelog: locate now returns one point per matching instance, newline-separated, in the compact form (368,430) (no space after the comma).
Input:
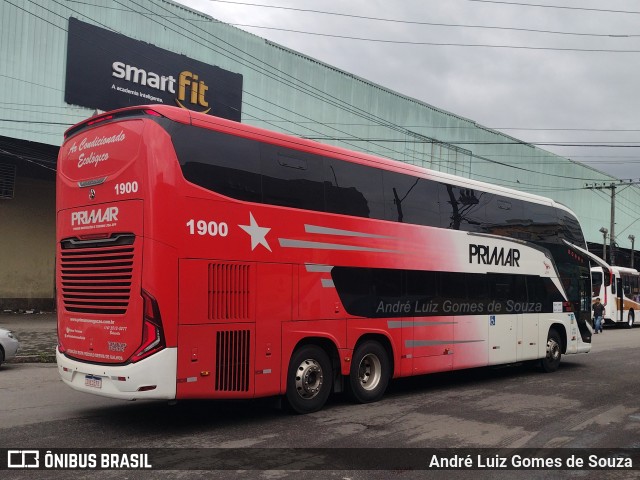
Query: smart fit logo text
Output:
(191,89)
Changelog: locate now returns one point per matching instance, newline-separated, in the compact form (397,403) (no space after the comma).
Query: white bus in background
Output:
(619,291)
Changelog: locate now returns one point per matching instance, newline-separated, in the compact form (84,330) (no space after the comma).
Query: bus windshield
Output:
(596,283)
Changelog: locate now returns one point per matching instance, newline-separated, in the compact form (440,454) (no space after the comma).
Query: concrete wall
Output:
(27,246)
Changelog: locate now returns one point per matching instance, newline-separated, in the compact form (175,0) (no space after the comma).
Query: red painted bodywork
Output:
(282,301)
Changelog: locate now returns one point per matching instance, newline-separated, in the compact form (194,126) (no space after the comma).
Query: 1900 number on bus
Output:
(213,229)
(126,187)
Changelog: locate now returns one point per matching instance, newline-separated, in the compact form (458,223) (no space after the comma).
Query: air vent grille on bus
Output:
(232,361)
(229,291)
(96,275)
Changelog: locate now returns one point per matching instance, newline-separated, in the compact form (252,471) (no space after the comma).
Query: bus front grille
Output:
(232,361)
(96,275)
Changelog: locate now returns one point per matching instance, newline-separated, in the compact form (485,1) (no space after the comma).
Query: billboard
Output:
(107,70)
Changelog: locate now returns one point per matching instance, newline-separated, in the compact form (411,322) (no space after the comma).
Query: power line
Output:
(480,142)
(294,82)
(431,24)
(443,44)
(391,140)
(612,186)
(562,7)
(70,108)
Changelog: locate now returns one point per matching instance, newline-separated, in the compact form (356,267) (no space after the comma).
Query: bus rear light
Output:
(100,119)
(152,113)
(152,334)
(95,236)
(150,310)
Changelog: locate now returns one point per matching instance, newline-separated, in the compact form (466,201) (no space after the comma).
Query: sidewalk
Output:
(37,333)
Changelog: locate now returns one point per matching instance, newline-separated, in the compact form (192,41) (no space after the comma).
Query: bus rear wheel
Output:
(369,375)
(551,361)
(309,379)
(631,318)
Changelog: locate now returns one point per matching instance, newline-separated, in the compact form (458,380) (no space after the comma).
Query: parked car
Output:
(8,345)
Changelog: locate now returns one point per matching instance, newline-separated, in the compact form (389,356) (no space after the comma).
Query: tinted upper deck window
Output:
(222,163)
(254,171)
(353,189)
(410,199)
(291,178)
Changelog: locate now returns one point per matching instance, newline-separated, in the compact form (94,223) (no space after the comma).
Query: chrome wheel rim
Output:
(553,350)
(309,378)
(369,372)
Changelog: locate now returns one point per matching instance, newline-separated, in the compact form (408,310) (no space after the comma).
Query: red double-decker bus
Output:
(203,258)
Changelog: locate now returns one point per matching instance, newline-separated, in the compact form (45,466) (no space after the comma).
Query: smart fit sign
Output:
(107,70)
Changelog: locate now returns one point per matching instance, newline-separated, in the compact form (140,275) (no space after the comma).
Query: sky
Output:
(561,74)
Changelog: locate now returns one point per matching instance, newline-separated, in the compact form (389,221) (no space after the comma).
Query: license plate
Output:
(93,381)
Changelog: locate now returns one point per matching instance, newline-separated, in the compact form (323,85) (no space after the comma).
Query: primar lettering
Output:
(85,217)
(484,254)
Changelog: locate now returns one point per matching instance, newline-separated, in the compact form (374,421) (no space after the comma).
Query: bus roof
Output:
(616,269)
(185,116)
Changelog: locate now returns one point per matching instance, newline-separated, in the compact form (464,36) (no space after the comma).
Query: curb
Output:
(42,358)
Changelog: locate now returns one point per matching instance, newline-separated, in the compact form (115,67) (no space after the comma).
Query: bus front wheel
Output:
(369,375)
(631,318)
(309,379)
(551,361)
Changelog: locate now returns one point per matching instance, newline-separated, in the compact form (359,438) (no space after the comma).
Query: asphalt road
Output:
(591,402)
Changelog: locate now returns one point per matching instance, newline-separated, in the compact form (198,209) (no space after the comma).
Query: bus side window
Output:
(352,189)
(411,199)
(291,178)
(222,163)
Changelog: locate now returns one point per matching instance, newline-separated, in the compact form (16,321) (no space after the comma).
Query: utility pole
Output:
(612,231)
(612,186)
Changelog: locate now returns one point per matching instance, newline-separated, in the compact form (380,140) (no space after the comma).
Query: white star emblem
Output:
(258,234)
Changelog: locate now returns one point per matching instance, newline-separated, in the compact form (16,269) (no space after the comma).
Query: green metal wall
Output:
(287,91)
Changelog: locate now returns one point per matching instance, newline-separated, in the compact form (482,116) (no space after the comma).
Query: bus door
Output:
(503,330)
(620,299)
(528,337)
(509,296)
(611,299)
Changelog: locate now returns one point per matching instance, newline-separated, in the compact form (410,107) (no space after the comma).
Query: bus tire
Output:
(369,375)
(309,379)
(631,318)
(551,361)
